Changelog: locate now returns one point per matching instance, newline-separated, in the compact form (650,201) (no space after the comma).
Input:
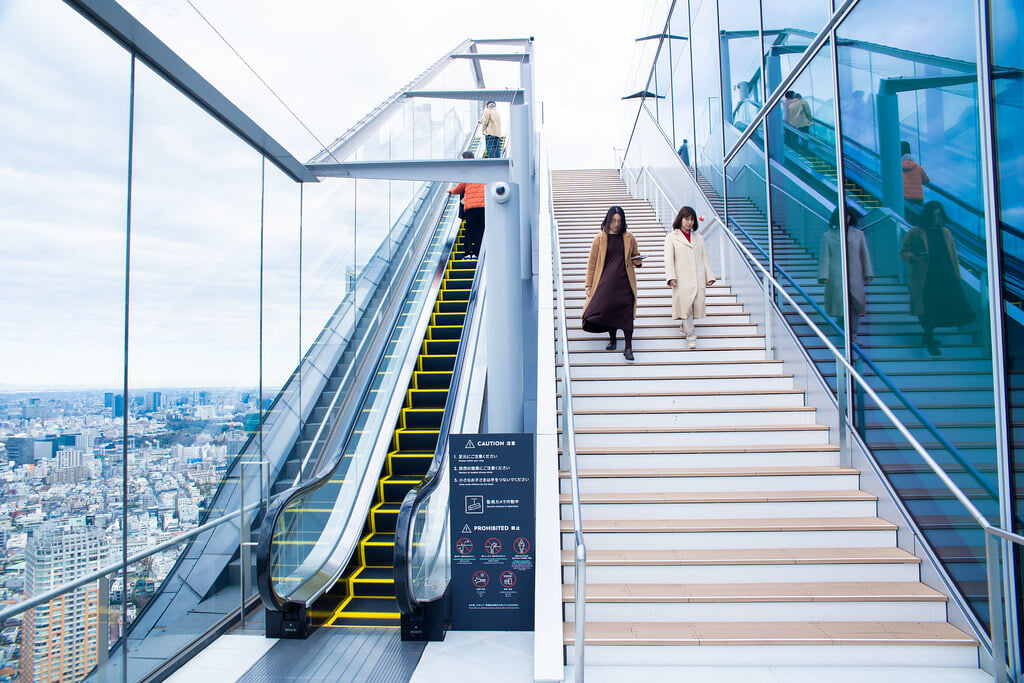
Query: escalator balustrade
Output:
(365,595)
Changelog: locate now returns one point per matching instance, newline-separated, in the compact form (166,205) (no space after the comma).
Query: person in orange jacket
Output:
(473,200)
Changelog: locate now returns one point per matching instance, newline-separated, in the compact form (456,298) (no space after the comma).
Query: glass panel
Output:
(742,80)
(1008,53)
(194,355)
(662,87)
(64,103)
(707,99)
(748,196)
(804,196)
(912,170)
(682,85)
(789,27)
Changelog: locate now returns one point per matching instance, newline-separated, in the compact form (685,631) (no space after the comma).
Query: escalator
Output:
(326,547)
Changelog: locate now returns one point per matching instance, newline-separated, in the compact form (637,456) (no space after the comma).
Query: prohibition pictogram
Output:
(507,579)
(480,579)
(464,546)
(521,546)
(492,546)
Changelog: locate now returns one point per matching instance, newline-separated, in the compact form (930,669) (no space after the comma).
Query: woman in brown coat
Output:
(611,281)
(936,291)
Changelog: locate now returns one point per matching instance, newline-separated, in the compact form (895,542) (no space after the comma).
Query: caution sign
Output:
(492,523)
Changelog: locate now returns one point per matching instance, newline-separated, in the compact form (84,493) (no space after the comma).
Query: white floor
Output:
(225,659)
(476,656)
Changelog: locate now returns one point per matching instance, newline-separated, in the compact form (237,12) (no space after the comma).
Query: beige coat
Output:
(490,122)
(595,264)
(686,262)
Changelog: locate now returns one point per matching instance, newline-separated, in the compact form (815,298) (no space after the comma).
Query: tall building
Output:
(60,639)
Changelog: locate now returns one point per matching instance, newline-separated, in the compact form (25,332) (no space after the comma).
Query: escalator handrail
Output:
(281,501)
(407,601)
(932,429)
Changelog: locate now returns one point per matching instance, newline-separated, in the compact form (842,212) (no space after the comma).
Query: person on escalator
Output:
(490,126)
(473,200)
(799,117)
(611,281)
(914,180)
(830,270)
(937,294)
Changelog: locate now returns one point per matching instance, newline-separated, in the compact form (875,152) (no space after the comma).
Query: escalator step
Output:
(375,573)
(445,347)
(432,380)
(437,363)
(428,398)
(454,294)
(396,488)
(451,306)
(384,516)
(423,418)
(406,464)
(415,440)
(449,319)
(378,549)
(367,611)
(364,588)
(445,332)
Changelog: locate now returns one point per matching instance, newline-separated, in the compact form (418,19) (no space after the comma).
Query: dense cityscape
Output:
(61,473)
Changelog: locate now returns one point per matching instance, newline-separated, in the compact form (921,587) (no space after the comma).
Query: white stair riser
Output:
(685,419)
(665,401)
(653,340)
(690,384)
(824,610)
(772,510)
(719,540)
(704,460)
(745,573)
(727,304)
(668,356)
(779,655)
(690,440)
(679,371)
(654,484)
(661,317)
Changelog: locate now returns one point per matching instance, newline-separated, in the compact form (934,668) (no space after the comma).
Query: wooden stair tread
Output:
(669,450)
(663,472)
(655,497)
(744,556)
(836,591)
(771,633)
(731,525)
(672,429)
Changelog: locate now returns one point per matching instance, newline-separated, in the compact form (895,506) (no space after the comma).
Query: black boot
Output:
(611,342)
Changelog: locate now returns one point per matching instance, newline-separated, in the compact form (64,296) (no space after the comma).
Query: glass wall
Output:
(913,304)
(682,88)
(241,292)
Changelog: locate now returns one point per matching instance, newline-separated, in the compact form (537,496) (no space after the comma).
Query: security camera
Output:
(500,192)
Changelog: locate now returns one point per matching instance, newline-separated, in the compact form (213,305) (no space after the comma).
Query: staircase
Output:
(720,529)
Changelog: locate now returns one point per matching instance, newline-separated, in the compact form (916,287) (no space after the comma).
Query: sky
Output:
(196,200)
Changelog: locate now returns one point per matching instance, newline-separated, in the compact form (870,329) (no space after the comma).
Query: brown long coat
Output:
(916,242)
(595,265)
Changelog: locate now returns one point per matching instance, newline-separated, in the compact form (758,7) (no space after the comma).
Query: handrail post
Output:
(995,606)
(845,455)
(580,610)
(769,346)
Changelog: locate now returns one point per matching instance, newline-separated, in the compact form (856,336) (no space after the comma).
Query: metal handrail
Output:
(569,448)
(407,601)
(37,600)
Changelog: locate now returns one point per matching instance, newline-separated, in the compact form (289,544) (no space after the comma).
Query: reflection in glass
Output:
(911,149)
(1008,95)
(682,84)
(742,77)
(789,27)
(707,149)
(748,197)
(804,197)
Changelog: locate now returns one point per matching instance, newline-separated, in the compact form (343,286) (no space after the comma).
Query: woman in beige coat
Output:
(687,272)
(611,281)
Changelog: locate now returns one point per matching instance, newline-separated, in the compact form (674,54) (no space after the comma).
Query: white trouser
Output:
(687,326)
